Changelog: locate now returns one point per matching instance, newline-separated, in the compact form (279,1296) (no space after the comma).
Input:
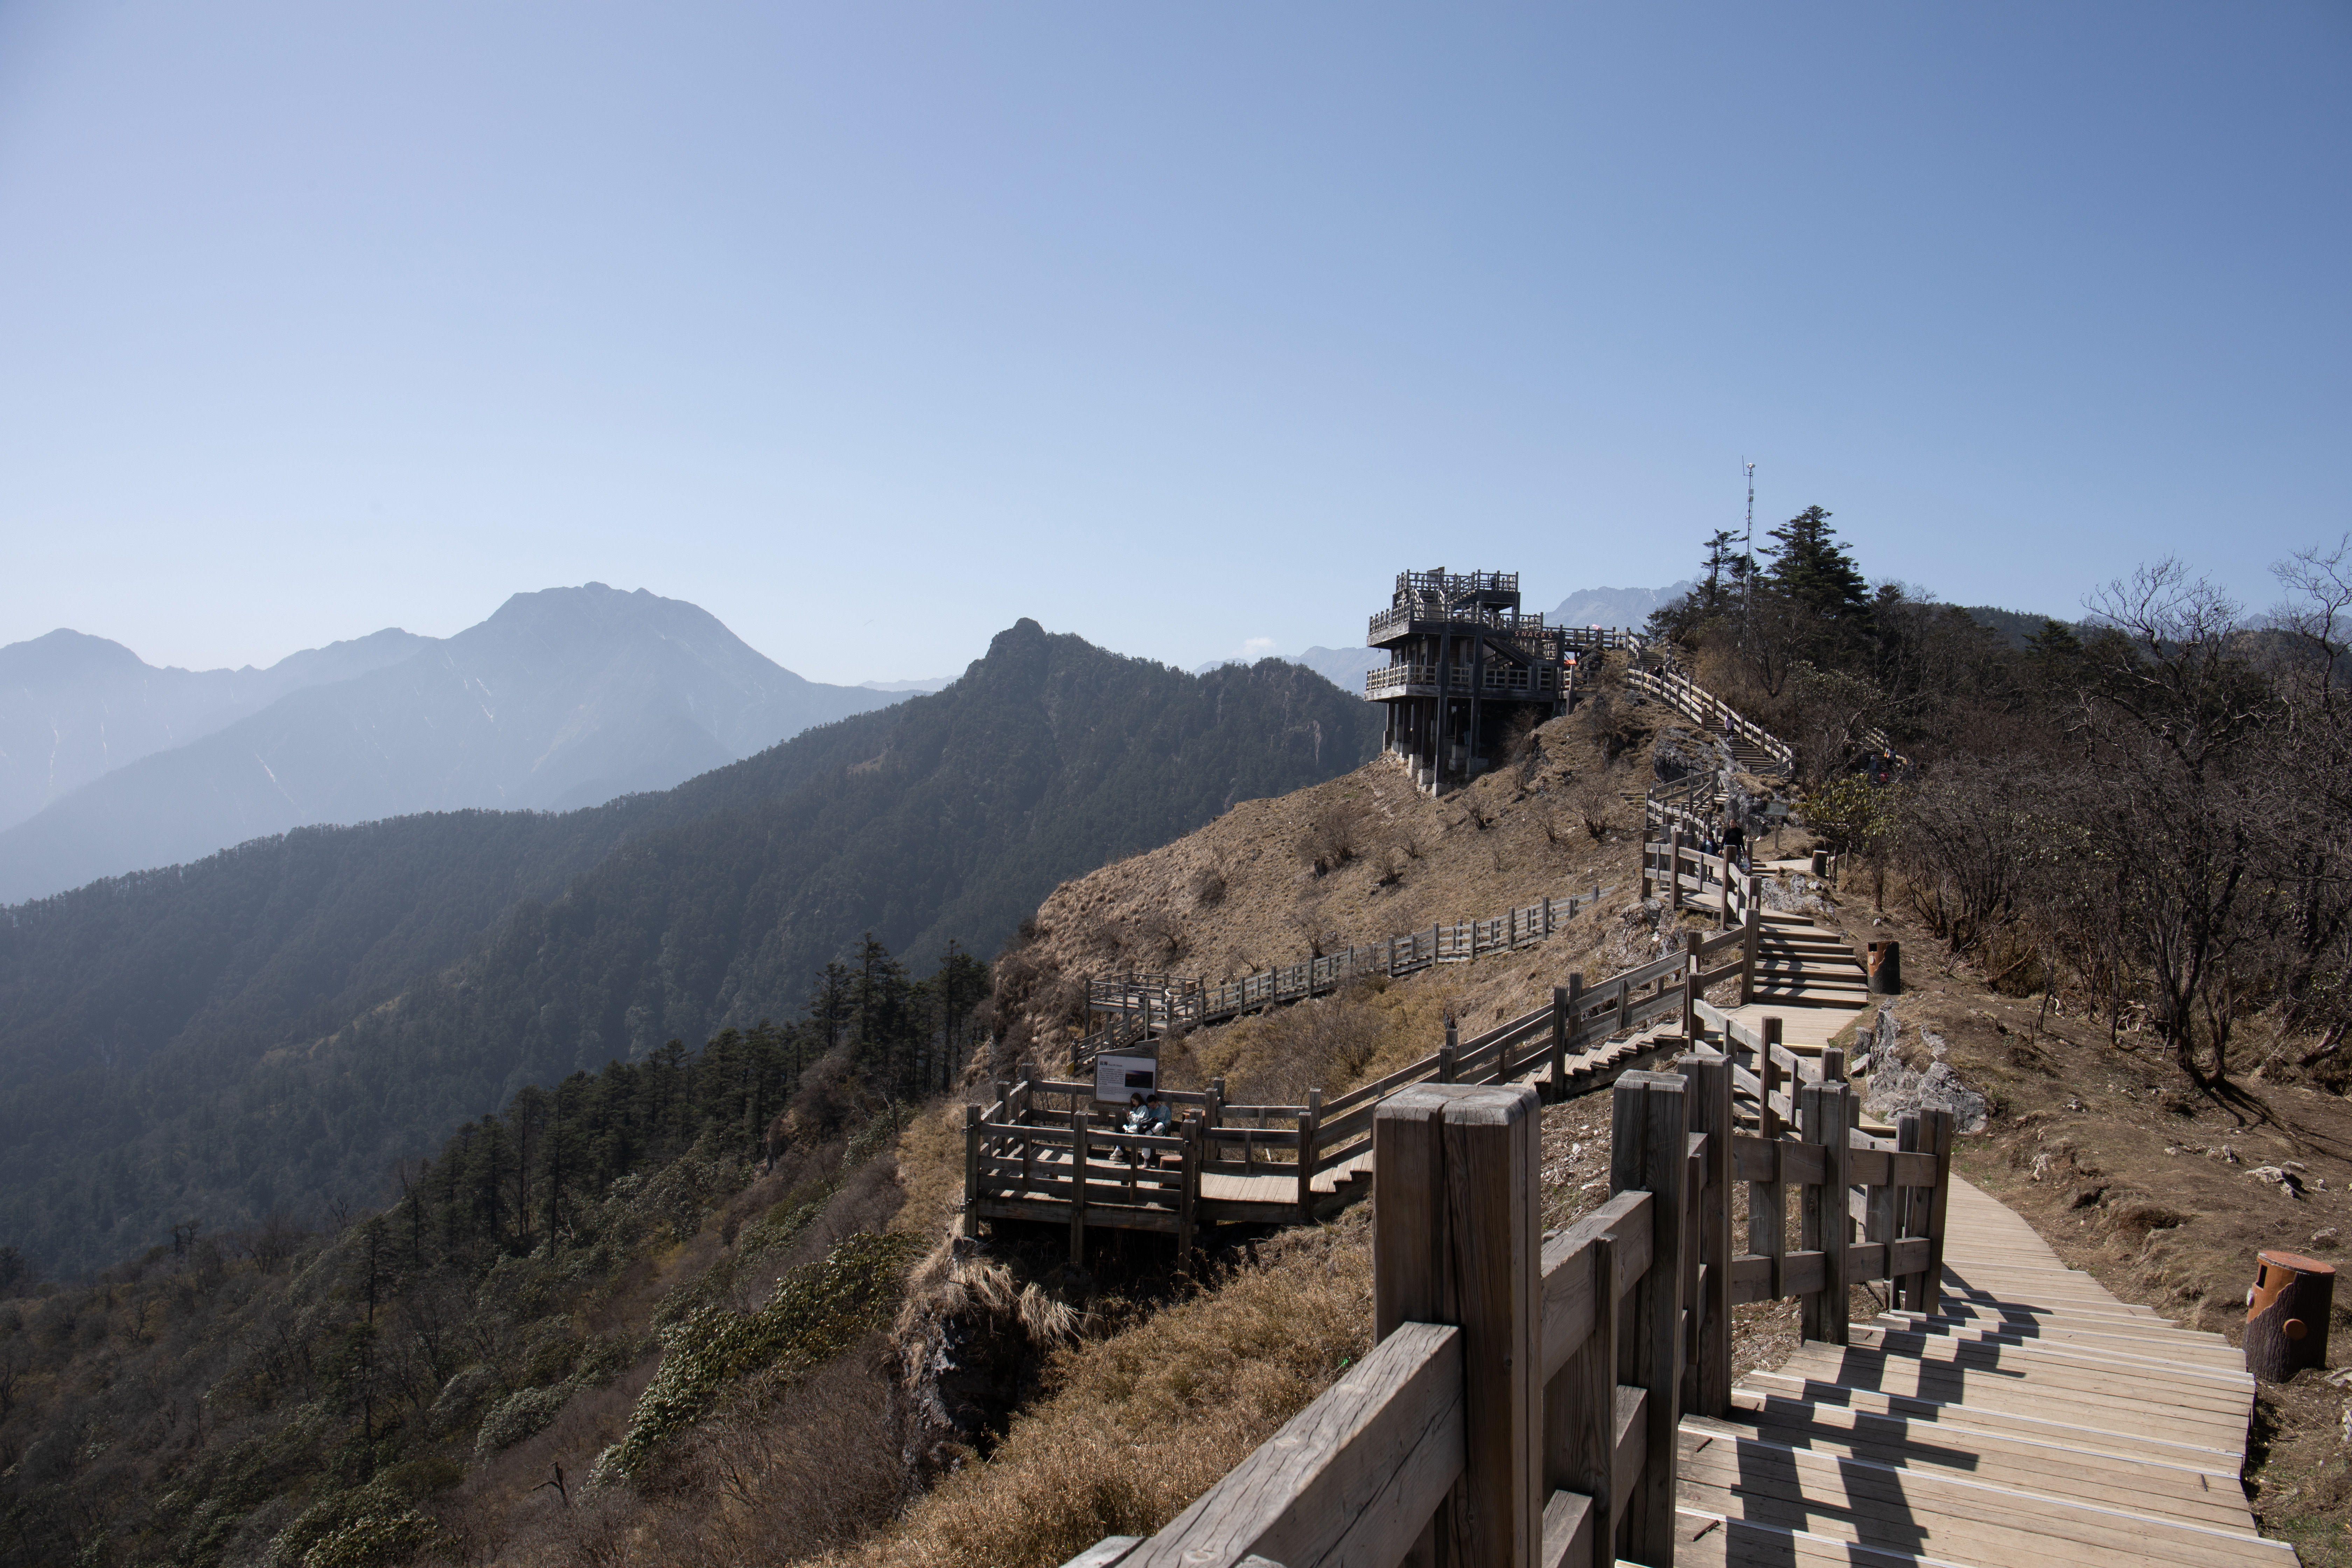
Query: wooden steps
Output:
(2032,1418)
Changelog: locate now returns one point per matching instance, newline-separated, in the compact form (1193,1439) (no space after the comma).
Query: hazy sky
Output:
(872,327)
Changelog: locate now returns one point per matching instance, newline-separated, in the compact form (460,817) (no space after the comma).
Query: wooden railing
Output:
(1522,1402)
(1528,628)
(1677,868)
(1496,679)
(1166,1002)
(1696,703)
(1598,639)
(1010,1174)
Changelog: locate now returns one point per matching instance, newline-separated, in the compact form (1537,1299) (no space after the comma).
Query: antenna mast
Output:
(1747,587)
(1750,546)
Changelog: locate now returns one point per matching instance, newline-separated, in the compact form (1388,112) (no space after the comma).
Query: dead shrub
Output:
(1594,798)
(803,1471)
(1208,887)
(1338,833)
(1321,1044)
(2138,1219)
(1156,936)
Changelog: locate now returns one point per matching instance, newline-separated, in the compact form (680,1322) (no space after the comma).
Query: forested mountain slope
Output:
(282,1022)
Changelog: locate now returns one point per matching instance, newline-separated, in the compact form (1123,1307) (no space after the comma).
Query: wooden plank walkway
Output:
(2034,1419)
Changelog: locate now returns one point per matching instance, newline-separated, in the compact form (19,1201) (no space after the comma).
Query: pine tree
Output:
(1810,567)
(1727,571)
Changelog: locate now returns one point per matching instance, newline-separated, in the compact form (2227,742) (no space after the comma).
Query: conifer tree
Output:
(1813,568)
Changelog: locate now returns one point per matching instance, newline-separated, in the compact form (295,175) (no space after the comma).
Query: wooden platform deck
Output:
(2033,1419)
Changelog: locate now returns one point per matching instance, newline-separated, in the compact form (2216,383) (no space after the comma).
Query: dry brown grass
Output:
(1134,1426)
(1393,862)
(930,1168)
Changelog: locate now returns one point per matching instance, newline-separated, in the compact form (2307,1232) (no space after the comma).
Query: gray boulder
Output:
(1896,1086)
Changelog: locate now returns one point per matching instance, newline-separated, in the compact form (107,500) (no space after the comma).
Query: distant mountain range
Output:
(276,1024)
(1342,666)
(73,707)
(561,699)
(1615,608)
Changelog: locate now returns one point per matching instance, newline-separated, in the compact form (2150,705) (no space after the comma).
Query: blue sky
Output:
(872,327)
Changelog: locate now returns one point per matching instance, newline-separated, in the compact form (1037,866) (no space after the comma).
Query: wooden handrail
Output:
(1398,1445)
(1144,1002)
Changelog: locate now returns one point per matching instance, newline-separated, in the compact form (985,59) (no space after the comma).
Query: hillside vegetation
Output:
(225,1039)
(712,1360)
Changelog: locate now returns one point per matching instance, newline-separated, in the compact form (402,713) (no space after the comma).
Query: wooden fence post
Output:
(1188,1191)
(972,1170)
(1691,940)
(1767,1202)
(1927,1286)
(1825,1222)
(1707,1389)
(1455,1241)
(1078,1181)
(1749,948)
(1675,867)
(1649,1151)
(1446,1053)
(1564,999)
(1308,1123)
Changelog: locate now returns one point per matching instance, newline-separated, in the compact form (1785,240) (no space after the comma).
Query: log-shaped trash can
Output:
(1885,967)
(2286,1315)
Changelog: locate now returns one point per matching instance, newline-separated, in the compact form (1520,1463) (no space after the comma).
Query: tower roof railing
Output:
(1437,582)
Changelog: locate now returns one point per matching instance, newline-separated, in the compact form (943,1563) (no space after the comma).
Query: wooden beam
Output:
(1707,1389)
(1649,1151)
(1350,1479)
(1455,1240)
(1825,1226)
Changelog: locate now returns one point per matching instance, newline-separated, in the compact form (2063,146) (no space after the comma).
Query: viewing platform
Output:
(1468,671)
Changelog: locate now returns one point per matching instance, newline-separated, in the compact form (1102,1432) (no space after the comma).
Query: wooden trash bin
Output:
(2286,1315)
(1885,969)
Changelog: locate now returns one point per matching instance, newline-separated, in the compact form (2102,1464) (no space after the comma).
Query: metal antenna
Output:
(1747,587)
(1751,504)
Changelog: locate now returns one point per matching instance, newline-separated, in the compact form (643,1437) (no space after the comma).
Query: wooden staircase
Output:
(1808,977)
(2033,1418)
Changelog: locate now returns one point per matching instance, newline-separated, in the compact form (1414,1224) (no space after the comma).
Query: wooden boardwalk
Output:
(2033,1419)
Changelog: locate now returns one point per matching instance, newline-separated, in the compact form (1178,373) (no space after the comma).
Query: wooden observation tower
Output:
(1464,664)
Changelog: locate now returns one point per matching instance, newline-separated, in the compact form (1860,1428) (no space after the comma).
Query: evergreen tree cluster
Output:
(287,1393)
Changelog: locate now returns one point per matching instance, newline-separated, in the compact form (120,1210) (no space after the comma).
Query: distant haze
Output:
(1615,608)
(73,707)
(561,699)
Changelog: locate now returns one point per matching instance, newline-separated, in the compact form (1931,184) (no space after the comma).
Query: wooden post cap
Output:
(2295,1261)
